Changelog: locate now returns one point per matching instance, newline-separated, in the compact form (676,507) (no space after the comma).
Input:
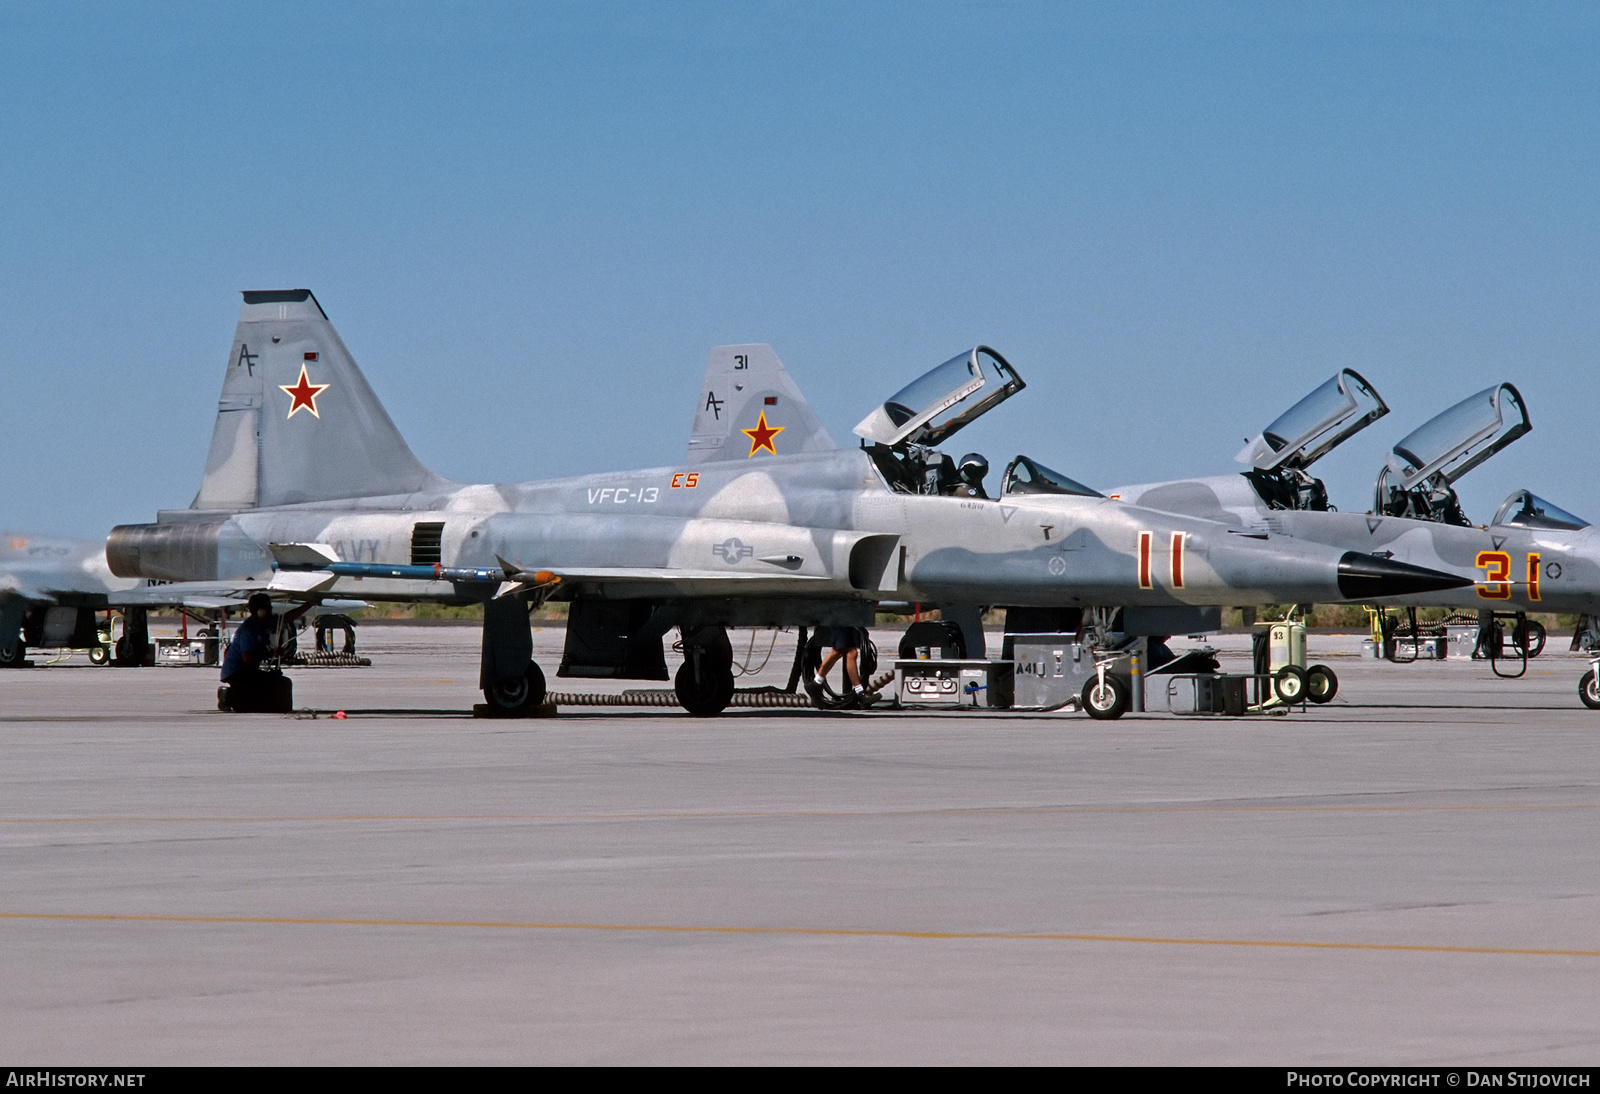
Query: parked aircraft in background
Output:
(1532,556)
(53,592)
(766,521)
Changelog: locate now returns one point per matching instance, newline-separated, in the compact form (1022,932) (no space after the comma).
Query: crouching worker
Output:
(246,687)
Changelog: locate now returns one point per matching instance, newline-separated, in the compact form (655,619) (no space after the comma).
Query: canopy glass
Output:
(943,400)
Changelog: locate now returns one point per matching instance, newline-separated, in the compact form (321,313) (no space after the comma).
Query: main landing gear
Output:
(513,685)
(1589,690)
(704,683)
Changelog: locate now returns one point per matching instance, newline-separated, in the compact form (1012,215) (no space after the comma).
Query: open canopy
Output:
(943,400)
(1313,427)
(1458,440)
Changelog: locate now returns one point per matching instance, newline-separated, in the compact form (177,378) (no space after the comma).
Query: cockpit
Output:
(1279,455)
(1527,510)
(901,434)
(1417,480)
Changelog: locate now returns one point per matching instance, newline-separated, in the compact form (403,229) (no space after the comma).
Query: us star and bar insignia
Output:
(762,435)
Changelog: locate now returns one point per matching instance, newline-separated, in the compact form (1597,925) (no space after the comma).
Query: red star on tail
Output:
(304,393)
(761,436)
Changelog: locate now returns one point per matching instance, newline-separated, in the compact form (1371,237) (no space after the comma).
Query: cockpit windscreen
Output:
(1527,510)
(1025,476)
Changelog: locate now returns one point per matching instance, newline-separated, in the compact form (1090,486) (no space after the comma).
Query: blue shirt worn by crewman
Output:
(251,642)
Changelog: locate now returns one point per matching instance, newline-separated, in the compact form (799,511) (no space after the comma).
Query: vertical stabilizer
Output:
(297,421)
(750,409)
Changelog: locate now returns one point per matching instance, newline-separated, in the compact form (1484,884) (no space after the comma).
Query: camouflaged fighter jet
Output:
(51,593)
(53,590)
(766,522)
(1531,557)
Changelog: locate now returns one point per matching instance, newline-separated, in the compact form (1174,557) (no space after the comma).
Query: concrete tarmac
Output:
(1410,875)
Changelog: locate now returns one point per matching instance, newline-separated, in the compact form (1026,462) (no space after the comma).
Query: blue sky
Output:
(530,221)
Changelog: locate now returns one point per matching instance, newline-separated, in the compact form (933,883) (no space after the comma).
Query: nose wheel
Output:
(1589,690)
(1105,697)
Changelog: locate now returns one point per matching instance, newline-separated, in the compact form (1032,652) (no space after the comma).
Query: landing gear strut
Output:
(513,686)
(705,681)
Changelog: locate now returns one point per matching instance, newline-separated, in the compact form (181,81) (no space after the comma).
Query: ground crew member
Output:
(252,643)
(846,642)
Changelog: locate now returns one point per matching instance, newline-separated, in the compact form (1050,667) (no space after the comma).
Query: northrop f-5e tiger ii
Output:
(1532,555)
(765,522)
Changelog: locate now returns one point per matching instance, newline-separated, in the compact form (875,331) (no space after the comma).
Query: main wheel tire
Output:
(1321,684)
(99,655)
(13,655)
(1589,690)
(704,697)
(519,698)
(326,625)
(1105,702)
(1289,684)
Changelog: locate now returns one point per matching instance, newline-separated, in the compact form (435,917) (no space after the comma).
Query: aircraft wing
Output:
(153,598)
(207,596)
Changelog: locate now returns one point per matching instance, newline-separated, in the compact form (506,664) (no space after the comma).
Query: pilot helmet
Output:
(973,467)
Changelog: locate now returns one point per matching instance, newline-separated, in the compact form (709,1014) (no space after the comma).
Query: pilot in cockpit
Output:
(942,475)
(970,471)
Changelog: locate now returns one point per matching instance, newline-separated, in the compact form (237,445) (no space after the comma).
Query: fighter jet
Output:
(766,521)
(53,591)
(1532,556)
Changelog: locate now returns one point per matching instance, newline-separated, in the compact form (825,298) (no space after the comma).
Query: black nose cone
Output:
(1368,577)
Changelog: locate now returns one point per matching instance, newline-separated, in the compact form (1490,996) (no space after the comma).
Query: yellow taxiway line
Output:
(976,811)
(824,932)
